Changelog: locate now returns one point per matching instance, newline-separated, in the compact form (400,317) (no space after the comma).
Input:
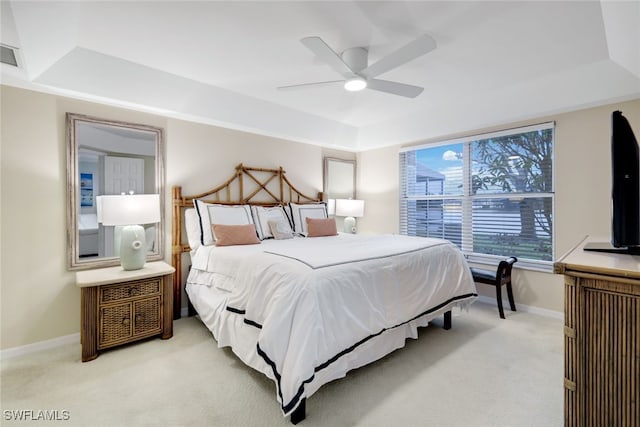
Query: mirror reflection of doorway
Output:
(109,162)
(114,175)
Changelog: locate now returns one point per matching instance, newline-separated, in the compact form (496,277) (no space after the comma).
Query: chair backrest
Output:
(503,274)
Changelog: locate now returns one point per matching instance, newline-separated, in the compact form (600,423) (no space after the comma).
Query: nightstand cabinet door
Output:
(115,325)
(129,311)
(147,317)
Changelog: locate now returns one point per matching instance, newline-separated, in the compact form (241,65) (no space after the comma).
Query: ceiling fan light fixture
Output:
(355,84)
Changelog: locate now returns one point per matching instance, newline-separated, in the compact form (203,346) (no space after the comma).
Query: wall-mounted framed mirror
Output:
(109,157)
(339,178)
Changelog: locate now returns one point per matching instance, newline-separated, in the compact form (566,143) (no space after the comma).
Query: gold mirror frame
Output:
(339,178)
(74,261)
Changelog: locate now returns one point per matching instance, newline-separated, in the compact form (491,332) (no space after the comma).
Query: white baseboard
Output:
(52,343)
(39,346)
(521,307)
(184,312)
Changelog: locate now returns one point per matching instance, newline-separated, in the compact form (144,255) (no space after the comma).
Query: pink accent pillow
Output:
(228,235)
(317,227)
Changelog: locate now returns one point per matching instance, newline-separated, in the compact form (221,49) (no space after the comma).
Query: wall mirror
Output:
(339,178)
(109,157)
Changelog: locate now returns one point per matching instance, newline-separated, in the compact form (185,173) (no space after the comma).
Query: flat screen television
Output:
(625,192)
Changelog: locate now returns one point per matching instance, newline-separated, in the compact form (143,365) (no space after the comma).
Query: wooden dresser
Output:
(602,338)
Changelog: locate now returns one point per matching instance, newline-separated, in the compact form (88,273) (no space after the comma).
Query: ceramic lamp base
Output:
(350,225)
(133,247)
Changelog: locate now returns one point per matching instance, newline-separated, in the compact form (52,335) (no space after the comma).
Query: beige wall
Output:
(582,183)
(378,187)
(38,298)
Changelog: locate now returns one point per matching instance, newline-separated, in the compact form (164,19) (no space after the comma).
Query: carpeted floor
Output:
(483,372)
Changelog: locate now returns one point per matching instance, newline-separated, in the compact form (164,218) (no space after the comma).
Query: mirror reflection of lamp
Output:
(331,207)
(129,211)
(351,209)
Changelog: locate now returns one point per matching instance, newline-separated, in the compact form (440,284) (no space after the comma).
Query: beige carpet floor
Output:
(483,372)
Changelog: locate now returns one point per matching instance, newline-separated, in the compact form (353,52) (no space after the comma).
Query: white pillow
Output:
(210,214)
(192,227)
(261,217)
(300,212)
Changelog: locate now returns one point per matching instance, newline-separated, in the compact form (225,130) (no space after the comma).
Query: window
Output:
(491,195)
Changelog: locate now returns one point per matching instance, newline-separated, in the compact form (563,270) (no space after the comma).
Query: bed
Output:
(307,305)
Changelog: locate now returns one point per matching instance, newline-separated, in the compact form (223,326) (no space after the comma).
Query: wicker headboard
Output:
(232,192)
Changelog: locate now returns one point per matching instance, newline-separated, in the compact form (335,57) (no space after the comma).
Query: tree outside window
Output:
(496,197)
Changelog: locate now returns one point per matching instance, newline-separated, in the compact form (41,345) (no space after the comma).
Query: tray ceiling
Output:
(220,62)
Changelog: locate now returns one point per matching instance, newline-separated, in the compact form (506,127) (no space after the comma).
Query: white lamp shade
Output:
(128,209)
(350,207)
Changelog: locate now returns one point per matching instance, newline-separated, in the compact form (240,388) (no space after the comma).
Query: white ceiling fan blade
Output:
(305,85)
(324,52)
(394,88)
(414,49)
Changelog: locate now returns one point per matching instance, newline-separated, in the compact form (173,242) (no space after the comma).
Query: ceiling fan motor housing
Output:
(355,58)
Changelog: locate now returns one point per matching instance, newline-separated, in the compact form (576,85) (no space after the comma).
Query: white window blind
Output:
(492,194)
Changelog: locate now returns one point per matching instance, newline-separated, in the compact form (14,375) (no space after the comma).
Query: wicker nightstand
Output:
(120,306)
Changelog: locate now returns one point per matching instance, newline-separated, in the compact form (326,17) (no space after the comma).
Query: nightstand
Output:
(119,306)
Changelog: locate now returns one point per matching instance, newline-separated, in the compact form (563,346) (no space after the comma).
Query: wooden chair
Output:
(502,276)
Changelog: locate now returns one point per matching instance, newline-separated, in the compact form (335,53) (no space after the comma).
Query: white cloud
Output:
(450,155)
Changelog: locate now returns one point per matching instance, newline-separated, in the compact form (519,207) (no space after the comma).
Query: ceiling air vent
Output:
(8,55)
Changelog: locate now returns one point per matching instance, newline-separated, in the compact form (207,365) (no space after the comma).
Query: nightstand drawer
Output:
(114,293)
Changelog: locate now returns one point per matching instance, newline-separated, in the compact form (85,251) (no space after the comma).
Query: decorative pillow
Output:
(263,215)
(280,229)
(300,212)
(321,227)
(210,214)
(228,235)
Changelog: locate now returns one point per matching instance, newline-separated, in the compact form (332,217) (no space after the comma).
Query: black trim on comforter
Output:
(296,399)
(245,320)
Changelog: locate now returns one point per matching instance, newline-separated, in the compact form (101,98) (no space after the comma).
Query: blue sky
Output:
(434,159)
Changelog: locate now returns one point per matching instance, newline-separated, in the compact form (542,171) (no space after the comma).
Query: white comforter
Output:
(312,300)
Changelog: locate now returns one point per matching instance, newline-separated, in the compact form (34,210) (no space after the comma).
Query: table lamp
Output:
(351,209)
(130,210)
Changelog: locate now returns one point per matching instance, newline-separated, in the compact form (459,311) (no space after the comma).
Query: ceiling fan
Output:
(358,74)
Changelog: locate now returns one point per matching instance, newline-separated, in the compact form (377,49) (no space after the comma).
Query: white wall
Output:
(582,184)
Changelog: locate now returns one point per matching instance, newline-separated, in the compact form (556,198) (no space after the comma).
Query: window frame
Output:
(467,198)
